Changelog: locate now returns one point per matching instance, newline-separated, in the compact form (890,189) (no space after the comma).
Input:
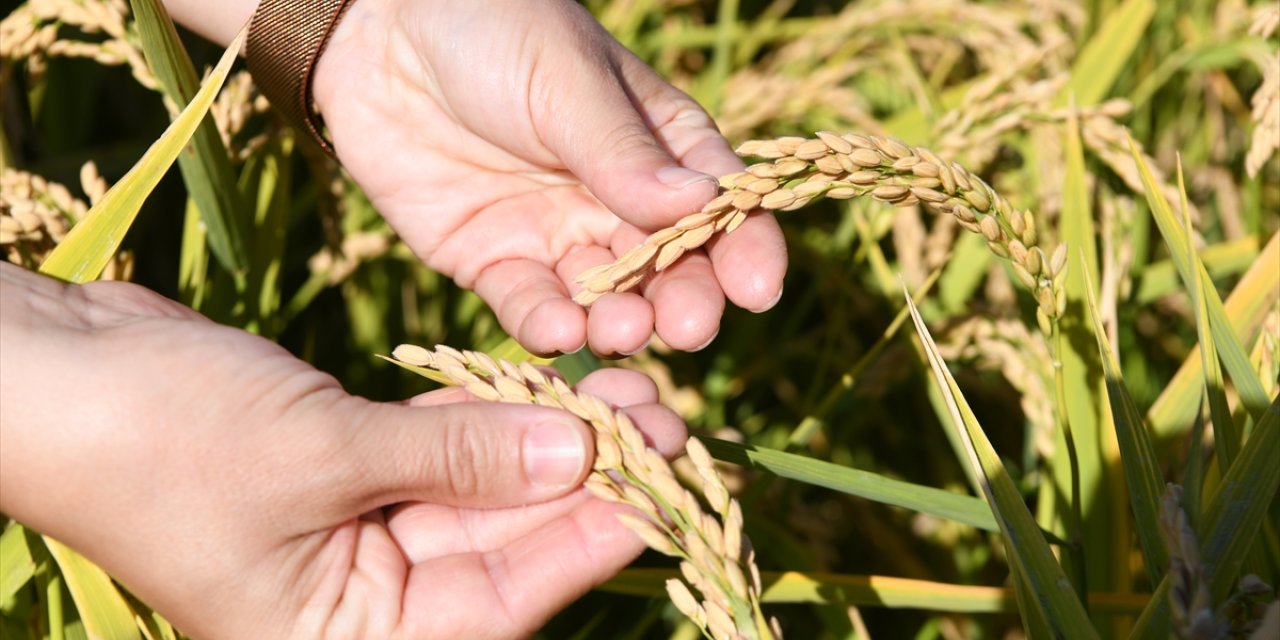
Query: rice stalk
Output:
(238,102)
(1266,100)
(35,31)
(841,167)
(1002,101)
(356,248)
(36,214)
(814,79)
(716,558)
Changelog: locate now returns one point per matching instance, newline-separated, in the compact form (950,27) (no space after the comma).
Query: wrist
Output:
(366,40)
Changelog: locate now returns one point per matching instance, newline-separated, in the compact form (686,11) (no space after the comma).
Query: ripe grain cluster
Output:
(716,558)
(799,171)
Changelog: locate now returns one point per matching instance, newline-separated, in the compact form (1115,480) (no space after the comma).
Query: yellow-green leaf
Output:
(1053,594)
(1137,454)
(1229,348)
(207,169)
(104,611)
(91,243)
(1245,308)
(17,565)
(1104,56)
(1226,434)
(790,587)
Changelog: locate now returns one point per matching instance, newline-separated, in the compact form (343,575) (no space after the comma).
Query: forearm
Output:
(218,21)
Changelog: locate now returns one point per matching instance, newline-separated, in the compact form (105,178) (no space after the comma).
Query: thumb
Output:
(609,143)
(468,454)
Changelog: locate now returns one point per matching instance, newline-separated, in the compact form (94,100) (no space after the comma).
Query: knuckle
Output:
(463,459)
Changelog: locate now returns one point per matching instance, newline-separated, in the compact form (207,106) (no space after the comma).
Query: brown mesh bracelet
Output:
(286,38)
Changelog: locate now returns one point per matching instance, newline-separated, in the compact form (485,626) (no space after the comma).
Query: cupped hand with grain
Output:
(244,494)
(514,145)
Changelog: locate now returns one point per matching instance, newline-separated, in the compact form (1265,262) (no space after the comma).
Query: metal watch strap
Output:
(286,38)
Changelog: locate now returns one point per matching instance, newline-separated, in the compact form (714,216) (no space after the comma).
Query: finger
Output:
(619,324)
(594,127)
(687,303)
(468,454)
(632,390)
(750,263)
(582,258)
(683,127)
(425,530)
(637,395)
(448,395)
(533,305)
(619,387)
(523,584)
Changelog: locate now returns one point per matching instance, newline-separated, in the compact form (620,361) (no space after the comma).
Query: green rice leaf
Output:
(1137,454)
(789,587)
(577,365)
(722,52)
(951,506)
(17,566)
(91,243)
(512,351)
(1231,521)
(1053,593)
(1193,474)
(207,169)
(1228,346)
(102,608)
(964,272)
(1235,515)
(1227,435)
(1103,58)
(1248,304)
(1081,456)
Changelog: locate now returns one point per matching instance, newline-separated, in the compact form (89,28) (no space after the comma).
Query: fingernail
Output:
(554,453)
(627,354)
(680,177)
(707,343)
(773,301)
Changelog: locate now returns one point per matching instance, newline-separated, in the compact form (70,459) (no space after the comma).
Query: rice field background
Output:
(885,453)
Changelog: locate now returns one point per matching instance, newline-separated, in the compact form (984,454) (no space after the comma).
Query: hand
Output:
(515,144)
(244,494)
